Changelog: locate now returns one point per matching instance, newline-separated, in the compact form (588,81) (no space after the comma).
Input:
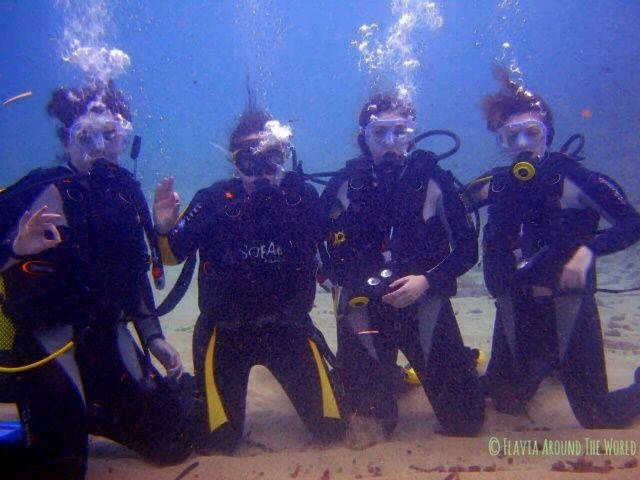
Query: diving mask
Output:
(100,134)
(250,163)
(529,135)
(390,132)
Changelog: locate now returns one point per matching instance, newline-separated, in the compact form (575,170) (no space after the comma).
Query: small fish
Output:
(586,113)
(17,97)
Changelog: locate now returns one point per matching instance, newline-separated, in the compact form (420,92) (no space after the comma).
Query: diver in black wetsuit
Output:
(398,237)
(256,236)
(74,263)
(540,244)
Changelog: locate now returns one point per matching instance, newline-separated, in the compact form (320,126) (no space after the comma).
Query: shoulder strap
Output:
(564,164)
(424,161)
(357,172)
(292,184)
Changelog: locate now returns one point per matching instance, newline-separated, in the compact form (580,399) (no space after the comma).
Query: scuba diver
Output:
(397,237)
(74,264)
(539,248)
(256,235)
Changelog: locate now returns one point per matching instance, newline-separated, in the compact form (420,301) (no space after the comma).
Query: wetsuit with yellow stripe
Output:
(256,287)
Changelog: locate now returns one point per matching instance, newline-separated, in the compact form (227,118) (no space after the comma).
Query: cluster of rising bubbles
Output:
(395,55)
(99,63)
(273,135)
(507,56)
(87,24)
(510,22)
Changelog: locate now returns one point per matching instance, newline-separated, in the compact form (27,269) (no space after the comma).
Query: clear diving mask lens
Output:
(530,135)
(268,162)
(102,135)
(390,132)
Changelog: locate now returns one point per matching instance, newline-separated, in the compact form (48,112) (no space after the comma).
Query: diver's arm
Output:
(331,207)
(183,239)
(462,238)
(333,203)
(607,198)
(304,276)
(313,213)
(499,239)
(147,325)
(140,307)
(463,254)
(324,273)
(142,315)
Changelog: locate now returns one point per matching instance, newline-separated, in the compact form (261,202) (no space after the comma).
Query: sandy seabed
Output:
(277,446)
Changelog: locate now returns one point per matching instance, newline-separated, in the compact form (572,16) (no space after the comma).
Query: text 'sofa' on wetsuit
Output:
(256,286)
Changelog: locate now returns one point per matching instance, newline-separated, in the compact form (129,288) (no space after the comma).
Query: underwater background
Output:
(314,63)
(307,62)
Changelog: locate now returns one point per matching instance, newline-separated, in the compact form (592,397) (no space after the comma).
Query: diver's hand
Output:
(407,290)
(166,205)
(574,273)
(168,357)
(37,232)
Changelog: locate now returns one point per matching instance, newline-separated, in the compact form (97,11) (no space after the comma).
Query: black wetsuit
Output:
(414,225)
(84,290)
(256,287)
(533,229)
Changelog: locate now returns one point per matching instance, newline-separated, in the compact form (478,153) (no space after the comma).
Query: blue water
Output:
(190,60)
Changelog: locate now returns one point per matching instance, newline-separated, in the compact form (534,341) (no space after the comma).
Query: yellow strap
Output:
(7,330)
(480,180)
(39,363)
(7,333)
(329,404)
(217,415)
(168,258)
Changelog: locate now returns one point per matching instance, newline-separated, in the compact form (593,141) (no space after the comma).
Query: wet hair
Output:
(380,103)
(251,121)
(68,104)
(513,99)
